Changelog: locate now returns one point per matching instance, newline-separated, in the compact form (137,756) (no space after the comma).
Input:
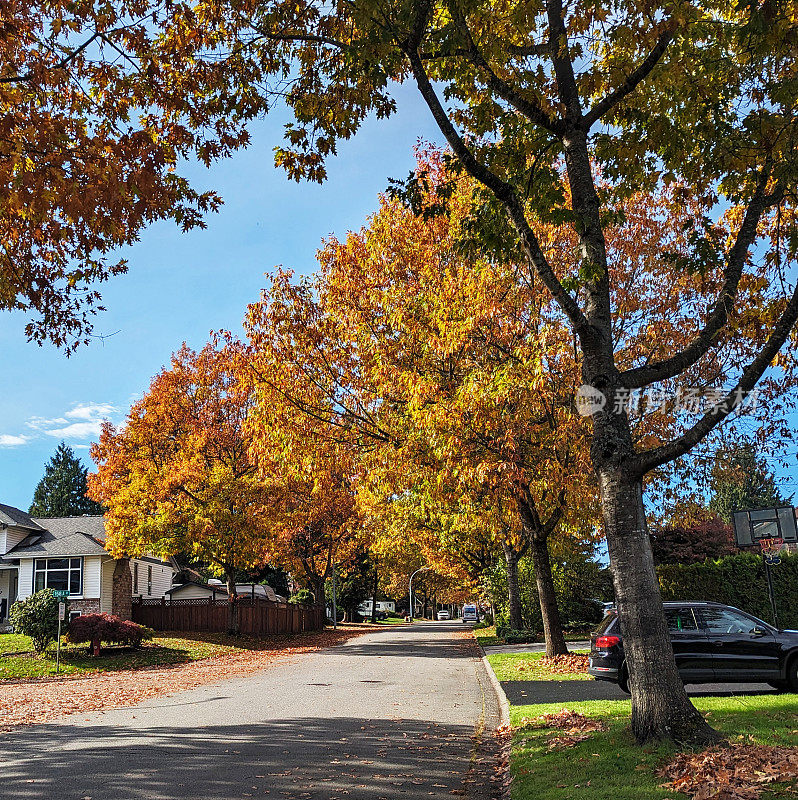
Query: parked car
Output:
(470,613)
(711,642)
(444,614)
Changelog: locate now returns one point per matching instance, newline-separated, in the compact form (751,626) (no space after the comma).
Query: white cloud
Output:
(92,411)
(7,440)
(77,430)
(81,423)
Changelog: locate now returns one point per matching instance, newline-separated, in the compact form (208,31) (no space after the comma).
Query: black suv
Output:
(712,642)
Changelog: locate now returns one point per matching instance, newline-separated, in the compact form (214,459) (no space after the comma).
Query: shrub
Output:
(302,597)
(97,628)
(393,615)
(510,636)
(37,617)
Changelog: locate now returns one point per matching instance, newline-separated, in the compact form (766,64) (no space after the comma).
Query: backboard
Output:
(770,523)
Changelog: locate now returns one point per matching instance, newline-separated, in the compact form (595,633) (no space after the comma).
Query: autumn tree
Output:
(178,477)
(742,479)
(692,539)
(431,361)
(62,490)
(310,474)
(92,134)
(543,93)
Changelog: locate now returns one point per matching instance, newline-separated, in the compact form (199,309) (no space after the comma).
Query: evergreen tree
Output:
(62,490)
(742,480)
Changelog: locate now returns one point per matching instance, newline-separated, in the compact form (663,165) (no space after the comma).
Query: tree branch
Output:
(645,462)
(504,193)
(563,68)
(69,57)
(531,109)
(719,315)
(637,76)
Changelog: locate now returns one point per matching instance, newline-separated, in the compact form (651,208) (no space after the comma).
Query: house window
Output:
(73,615)
(58,573)
(135,578)
(149,581)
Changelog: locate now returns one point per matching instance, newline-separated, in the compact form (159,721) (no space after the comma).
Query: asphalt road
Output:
(401,713)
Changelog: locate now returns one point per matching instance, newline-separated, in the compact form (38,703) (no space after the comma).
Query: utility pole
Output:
(335,602)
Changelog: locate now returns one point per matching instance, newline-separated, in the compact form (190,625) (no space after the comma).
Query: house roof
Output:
(18,519)
(260,589)
(63,536)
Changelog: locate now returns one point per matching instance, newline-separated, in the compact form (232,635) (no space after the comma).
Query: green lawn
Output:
(163,650)
(527,667)
(487,636)
(609,766)
(390,621)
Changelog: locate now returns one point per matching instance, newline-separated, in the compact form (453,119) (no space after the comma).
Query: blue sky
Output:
(182,286)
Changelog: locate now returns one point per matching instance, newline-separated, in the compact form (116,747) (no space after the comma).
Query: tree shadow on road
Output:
(291,759)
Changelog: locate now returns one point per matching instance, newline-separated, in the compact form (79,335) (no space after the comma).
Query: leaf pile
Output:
(575,727)
(573,662)
(738,772)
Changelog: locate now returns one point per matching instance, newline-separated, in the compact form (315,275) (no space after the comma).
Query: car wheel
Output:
(792,674)
(623,680)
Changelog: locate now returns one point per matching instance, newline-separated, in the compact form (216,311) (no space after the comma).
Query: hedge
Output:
(738,581)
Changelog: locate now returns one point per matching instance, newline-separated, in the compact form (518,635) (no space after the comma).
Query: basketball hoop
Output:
(770,550)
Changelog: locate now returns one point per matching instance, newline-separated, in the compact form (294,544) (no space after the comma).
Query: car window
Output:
(606,623)
(725,621)
(681,620)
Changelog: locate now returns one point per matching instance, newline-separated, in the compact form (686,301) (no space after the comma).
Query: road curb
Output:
(504,732)
(504,703)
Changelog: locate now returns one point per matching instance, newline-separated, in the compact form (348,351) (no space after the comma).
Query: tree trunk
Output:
(317,588)
(513,589)
(552,624)
(660,706)
(233,620)
(374,597)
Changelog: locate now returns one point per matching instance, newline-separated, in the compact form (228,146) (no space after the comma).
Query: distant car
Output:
(711,642)
(470,613)
(444,614)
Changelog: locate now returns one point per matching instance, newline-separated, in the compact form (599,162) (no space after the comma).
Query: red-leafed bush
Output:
(97,628)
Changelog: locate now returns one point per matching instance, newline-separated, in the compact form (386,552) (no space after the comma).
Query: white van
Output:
(470,613)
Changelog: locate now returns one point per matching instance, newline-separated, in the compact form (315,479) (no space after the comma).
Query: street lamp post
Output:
(410,591)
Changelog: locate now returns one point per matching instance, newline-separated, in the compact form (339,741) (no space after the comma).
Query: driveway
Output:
(522,693)
(405,712)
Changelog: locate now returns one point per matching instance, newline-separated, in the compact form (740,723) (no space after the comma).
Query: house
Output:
(199,590)
(69,553)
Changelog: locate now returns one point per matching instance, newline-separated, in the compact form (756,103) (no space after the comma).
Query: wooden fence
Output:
(256,617)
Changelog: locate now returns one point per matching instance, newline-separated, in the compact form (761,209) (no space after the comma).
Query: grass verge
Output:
(528,667)
(166,649)
(608,765)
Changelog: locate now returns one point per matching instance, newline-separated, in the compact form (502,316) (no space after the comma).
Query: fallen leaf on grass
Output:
(737,772)
(573,662)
